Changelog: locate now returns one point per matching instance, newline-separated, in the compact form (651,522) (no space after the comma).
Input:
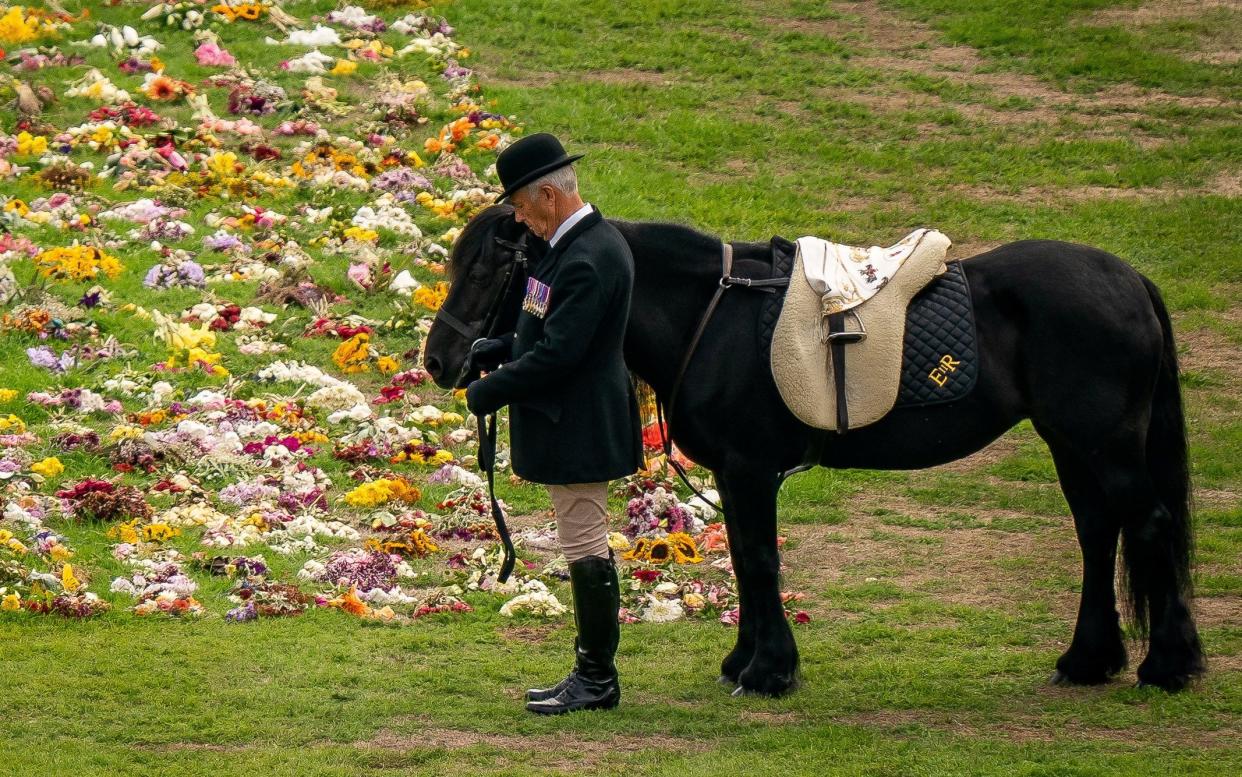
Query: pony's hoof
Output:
(725,679)
(1060,678)
(743,691)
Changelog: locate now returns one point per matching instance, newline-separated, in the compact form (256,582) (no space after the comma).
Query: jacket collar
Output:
(585,223)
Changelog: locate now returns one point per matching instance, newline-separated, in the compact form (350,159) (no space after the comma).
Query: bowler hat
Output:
(528,159)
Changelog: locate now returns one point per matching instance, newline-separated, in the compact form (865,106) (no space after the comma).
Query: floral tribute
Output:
(216,273)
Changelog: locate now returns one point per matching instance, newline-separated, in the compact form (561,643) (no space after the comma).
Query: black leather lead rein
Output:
(475,333)
(727,281)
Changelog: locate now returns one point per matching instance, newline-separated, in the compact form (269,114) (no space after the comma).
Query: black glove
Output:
(477,399)
(487,355)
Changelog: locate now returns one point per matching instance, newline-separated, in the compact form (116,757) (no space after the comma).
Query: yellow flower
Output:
(381,491)
(30,145)
(159,532)
(431,297)
(387,364)
(60,553)
(17,547)
(49,467)
(124,532)
(17,206)
(362,234)
(125,433)
(16,28)
(11,424)
(11,603)
(344,67)
(351,355)
(68,580)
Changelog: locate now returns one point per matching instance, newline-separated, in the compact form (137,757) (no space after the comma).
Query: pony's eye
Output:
(479,276)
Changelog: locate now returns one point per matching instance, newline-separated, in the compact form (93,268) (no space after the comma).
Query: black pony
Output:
(1069,336)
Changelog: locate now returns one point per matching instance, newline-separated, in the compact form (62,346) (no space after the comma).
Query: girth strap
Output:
(664,420)
(836,347)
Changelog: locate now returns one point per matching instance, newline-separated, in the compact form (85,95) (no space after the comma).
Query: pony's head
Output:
(486,270)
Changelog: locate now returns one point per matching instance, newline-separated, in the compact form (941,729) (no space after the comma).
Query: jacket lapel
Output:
(554,253)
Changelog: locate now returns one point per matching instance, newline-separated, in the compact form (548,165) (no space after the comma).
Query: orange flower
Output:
(162,88)
(350,603)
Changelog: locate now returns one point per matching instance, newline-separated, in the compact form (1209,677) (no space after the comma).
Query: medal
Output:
(537,297)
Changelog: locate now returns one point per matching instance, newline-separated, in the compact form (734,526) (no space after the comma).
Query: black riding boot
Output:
(593,684)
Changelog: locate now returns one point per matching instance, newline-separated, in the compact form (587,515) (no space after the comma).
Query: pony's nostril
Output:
(432,365)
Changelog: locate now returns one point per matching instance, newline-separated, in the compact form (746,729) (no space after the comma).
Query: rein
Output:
(476,333)
(727,281)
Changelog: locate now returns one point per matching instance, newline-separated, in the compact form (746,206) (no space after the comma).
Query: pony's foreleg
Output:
(738,659)
(750,504)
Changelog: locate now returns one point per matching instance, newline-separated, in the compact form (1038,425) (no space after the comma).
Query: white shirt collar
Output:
(568,223)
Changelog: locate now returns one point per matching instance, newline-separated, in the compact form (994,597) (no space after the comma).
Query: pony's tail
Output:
(1169,468)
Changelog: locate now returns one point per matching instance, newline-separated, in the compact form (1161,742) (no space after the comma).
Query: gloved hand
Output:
(477,399)
(487,355)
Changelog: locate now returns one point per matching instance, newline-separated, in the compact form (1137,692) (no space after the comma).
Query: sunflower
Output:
(659,551)
(685,551)
(639,551)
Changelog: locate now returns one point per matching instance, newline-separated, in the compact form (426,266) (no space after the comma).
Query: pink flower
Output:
(213,56)
(802,616)
(730,617)
(360,274)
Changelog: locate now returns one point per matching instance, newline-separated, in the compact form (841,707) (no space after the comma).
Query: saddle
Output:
(837,357)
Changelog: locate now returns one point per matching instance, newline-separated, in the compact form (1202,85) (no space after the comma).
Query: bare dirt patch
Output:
(1022,728)
(971,567)
(1218,611)
(527,634)
(1155,11)
(897,46)
(1210,351)
(629,76)
(554,750)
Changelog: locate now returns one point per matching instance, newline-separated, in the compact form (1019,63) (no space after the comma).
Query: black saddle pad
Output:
(940,358)
(940,355)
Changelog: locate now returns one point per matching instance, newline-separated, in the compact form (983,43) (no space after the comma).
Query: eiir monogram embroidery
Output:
(940,375)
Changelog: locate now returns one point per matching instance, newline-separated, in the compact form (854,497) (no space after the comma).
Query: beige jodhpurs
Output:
(581,519)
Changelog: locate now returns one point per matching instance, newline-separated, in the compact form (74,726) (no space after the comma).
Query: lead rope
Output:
(487,463)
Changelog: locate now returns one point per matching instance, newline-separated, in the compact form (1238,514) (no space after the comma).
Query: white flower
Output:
(313,61)
(404,283)
(359,412)
(538,603)
(663,611)
(312,570)
(320,36)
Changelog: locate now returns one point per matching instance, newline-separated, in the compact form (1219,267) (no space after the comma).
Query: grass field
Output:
(939,599)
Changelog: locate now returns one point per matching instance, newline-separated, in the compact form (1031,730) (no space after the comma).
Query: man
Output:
(574,422)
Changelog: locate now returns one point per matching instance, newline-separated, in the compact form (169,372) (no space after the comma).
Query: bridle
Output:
(485,327)
(476,332)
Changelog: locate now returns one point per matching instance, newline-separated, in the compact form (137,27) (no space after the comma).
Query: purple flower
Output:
(46,358)
(246,612)
(401,179)
(221,241)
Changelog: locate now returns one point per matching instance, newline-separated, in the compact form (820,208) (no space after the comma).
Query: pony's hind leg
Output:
(1156,567)
(1097,651)
(750,515)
